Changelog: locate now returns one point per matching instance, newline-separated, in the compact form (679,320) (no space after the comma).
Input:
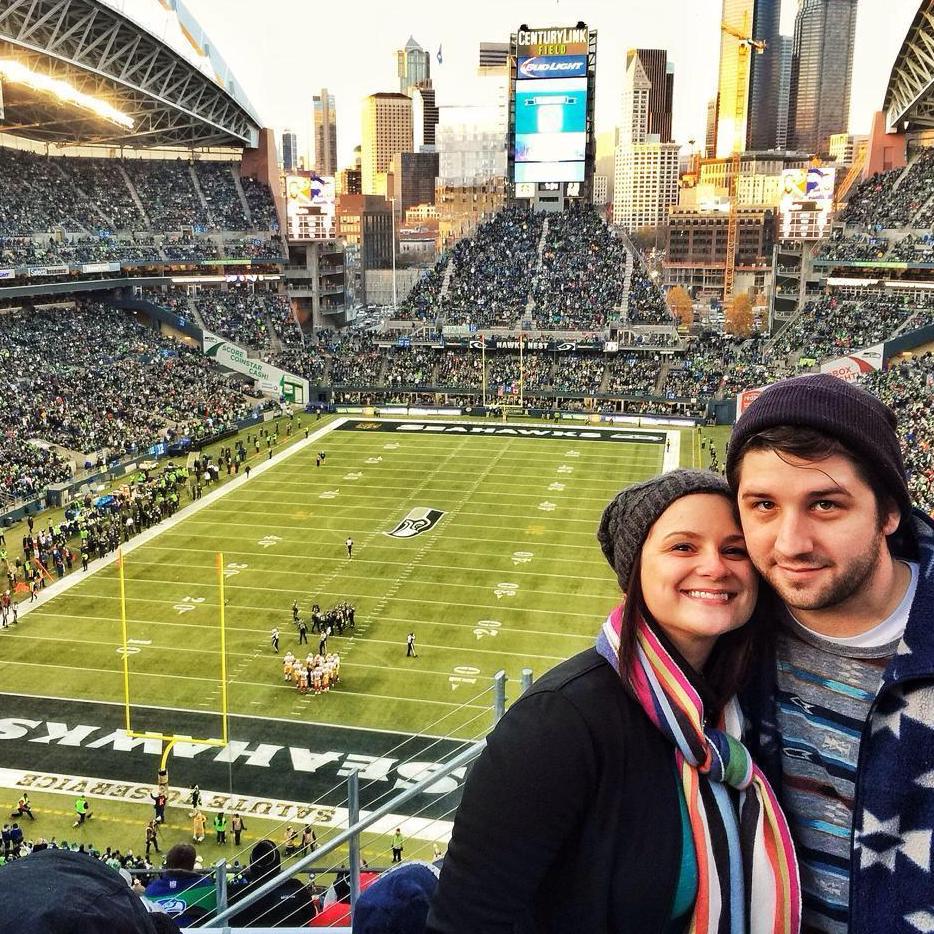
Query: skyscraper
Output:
(660,74)
(387,130)
(325,133)
(413,65)
(821,71)
(784,91)
(636,91)
(756,85)
(289,150)
(424,117)
(646,171)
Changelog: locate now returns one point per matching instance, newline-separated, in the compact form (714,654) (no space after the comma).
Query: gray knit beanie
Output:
(627,520)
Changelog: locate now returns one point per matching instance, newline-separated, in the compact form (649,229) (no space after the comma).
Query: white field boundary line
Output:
(240,716)
(323,816)
(672,458)
(563,634)
(72,580)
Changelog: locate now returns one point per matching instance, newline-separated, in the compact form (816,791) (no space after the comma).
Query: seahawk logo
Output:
(420,519)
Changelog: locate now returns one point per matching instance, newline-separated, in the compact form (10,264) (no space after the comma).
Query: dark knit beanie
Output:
(627,520)
(854,417)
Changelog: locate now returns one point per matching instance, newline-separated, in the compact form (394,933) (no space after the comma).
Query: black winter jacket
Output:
(570,819)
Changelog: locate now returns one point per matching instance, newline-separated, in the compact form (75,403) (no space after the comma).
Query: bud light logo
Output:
(553,66)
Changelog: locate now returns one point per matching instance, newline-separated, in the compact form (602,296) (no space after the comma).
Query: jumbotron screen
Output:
(551,105)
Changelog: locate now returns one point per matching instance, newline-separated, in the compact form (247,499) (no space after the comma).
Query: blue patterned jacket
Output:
(891,880)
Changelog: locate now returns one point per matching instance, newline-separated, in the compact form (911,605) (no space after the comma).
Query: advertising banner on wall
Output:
(851,367)
(269,378)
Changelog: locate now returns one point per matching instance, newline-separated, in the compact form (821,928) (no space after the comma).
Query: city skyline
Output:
(689,33)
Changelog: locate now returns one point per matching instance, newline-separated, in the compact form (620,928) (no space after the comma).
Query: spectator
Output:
(183,894)
(288,905)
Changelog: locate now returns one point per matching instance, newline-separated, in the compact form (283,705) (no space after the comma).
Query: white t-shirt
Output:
(891,629)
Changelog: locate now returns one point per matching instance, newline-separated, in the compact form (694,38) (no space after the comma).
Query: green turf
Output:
(442,584)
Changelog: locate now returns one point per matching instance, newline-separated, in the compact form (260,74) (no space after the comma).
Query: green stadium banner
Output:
(269,378)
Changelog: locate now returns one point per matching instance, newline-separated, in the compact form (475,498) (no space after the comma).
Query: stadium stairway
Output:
(605,381)
(663,372)
(446,282)
(908,167)
(537,271)
(275,342)
(242,196)
(73,183)
(627,279)
(196,314)
(200,193)
(134,194)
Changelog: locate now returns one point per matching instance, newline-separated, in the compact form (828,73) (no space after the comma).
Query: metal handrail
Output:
(464,758)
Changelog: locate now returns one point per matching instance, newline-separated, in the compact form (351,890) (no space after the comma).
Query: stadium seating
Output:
(93,380)
(906,387)
(894,199)
(89,196)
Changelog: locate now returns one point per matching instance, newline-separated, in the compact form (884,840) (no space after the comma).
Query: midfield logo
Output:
(420,519)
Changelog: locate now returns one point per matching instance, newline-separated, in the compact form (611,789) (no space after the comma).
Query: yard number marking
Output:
(556,487)
(463,674)
(329,494)
(187,604)
(269,541)
(487,627)
(522,557)
(355,475)
(233,569)
(565,468)
(547,506)
(505,589)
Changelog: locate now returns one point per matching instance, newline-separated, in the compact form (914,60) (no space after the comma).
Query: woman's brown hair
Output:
(730,663)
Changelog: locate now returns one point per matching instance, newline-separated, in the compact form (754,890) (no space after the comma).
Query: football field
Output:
(479,538)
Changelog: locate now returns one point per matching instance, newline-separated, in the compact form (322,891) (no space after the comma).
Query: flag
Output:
(439,54)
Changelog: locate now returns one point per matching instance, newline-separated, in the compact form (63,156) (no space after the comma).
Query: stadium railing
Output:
(226,917)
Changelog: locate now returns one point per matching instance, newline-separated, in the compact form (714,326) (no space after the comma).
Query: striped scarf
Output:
(746,867)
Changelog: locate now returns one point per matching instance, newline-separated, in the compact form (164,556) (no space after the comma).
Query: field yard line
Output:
(339,593)
(228,586)
(247,629)
(239,716)
(405,491)
(98,564)
(316,528)
(252,655)
(311,528)
(438,567)
(257,684)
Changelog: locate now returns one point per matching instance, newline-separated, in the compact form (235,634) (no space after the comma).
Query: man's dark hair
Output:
(815,446)
(181,856)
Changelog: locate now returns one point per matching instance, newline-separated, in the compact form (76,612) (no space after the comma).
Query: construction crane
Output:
(747,45)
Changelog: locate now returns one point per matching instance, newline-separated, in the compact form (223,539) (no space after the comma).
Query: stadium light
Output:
(16,73)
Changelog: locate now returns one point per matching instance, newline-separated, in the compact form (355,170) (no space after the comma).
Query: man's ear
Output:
(892,518)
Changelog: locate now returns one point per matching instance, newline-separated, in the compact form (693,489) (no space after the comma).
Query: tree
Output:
(739,316)
(681,305)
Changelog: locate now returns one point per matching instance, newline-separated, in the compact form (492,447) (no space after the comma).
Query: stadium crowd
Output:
(832,326)
(90,379)
(908,387)
(897,198)
(103,196)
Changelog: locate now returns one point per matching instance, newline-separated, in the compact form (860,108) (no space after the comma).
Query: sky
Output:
(284,51)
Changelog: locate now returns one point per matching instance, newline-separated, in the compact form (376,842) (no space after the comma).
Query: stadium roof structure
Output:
(909,98)
(175,88)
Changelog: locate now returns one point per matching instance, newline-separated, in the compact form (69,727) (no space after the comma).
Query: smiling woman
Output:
(604,800)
